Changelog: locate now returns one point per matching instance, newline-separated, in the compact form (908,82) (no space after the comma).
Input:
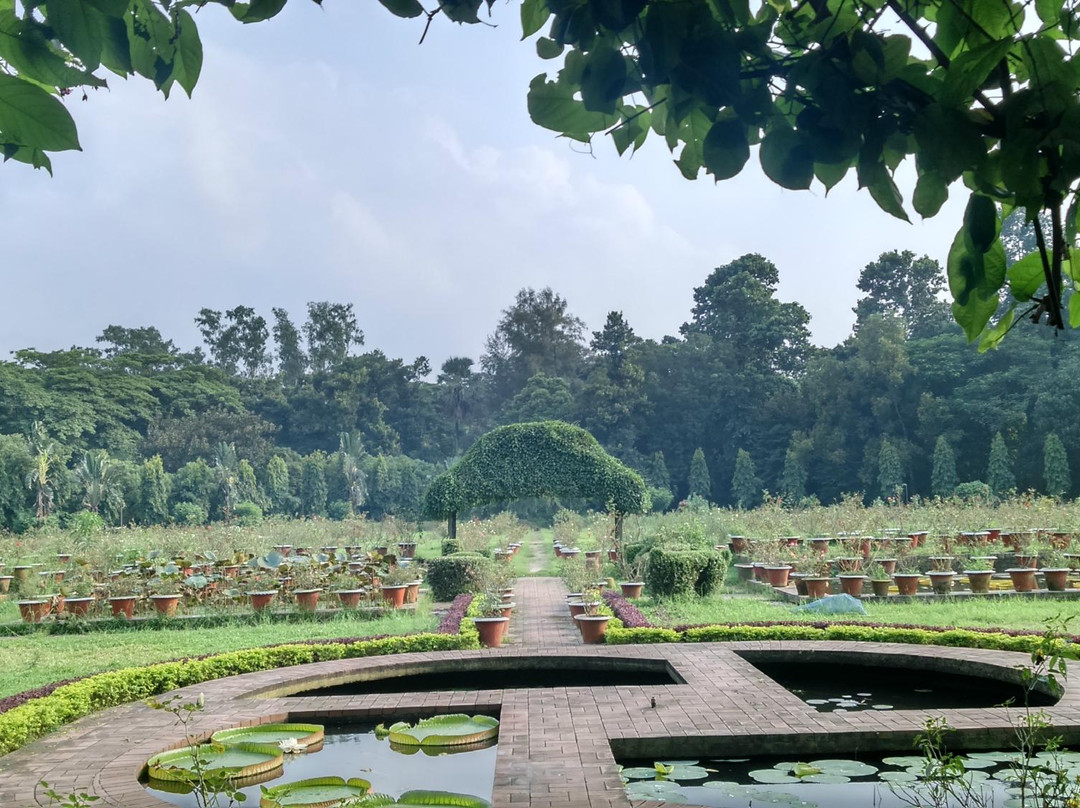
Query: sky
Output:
(325,155)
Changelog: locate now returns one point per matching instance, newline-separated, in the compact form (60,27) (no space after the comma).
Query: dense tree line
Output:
(299,419)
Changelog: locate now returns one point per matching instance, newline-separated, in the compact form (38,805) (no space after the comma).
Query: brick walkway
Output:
(557,745)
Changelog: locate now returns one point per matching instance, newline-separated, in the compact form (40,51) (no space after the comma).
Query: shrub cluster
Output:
(457,574)
(675,572)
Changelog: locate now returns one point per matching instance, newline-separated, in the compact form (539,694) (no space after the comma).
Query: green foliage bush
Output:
(639,636)
(339,510)
(248,514)
(450,546)
(29,721)
(972,491)
(457,574)
(543,459)
(189,513)
(674,572)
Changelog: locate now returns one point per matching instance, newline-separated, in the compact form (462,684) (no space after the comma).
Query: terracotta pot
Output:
(260,600)
(307,600)
(612,555)
(491,630)
(852,584)
(123,606)
(1023,578)
(165,604)
(888,564)
(907,583)
(407,549)
(578,607)
(631,590)
(412,592)
(350,598)
(739,544)
(1057,580)
(284,549)
(80,607)
(746,571)
(592,627)
(384,550)
(881,587)
(799,580)
(571,553)
(979,580)
(759,572)
(5,583)
(1027,560)
(21,573)
(34,611)
(941,581)
(508,609)
(394,596)
(816,587)
(777,576)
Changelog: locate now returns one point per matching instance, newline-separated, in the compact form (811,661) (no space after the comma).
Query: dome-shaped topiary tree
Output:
(543,459)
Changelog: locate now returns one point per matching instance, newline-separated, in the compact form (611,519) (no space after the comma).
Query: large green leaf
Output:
(150,35)
(534,13)
(1026,276)
(32,117)
(26,48)
(257,10)
(603,80)
(875,177)
(404,8)
(981,222)
(969,71)
(786,160)
(992,339)
(725,149)
(931,192)
(552,105)
(187,64)
(80,27)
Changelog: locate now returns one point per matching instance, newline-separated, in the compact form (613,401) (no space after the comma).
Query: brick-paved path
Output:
(557,745)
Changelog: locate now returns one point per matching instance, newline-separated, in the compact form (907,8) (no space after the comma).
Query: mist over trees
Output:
(300,417)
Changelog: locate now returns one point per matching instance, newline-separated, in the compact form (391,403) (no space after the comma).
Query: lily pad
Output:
(445,730)
(239,760)
(655,790)
(421,799)
(898,777)
(772,776)
(639,773)
(780,798)
(733,791)
(687,773)
(317,792)
(826,779)
(847,768)
(306,734)
(971,762)
(679,762)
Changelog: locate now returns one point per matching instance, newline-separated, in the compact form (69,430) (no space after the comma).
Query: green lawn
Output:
(38,659)
(1012,613)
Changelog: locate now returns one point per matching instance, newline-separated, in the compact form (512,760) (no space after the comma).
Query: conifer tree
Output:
(699,483)
(313,485)
(999,474)
(1056,474)
(943,478)
(890,470)
(154,487)
(745,484)
(793,477)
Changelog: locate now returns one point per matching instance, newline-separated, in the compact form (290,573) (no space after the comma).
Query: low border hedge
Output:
(68,702)
(636,629)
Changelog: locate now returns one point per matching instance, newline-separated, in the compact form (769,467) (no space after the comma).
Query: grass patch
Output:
(39,659)
(1008,613)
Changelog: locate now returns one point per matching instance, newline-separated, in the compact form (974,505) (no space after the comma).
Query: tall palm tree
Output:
(355,481)
(97,476)
(38,479)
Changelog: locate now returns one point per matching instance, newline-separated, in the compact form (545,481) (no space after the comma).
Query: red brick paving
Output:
(555,744)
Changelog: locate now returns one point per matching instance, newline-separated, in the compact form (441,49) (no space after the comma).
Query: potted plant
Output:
(164,594)
(261,587)
(592,624)
(78,590)
(941,574)
(307,580)
(394,585)
(490,623)
(348,589)
(34,605)
(631,571)
(124,591)
(980,574)
(1023,578)
(907,575)
(412,592)
(1055,570)
(880,579)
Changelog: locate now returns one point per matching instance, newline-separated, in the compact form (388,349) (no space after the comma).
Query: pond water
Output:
(354,751)
(851,688)
(493,677)
(989,779)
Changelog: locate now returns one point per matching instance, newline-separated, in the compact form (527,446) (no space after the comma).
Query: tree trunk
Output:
(618,527)
(451,526)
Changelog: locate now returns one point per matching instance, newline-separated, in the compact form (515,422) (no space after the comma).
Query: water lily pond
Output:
(883,782)
(354,751)
(853,688)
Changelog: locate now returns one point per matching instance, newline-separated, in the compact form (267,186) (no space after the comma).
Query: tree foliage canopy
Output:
(542,459)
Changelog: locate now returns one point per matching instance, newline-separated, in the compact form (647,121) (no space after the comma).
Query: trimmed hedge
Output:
(457,574)
(674,572)
(27,722)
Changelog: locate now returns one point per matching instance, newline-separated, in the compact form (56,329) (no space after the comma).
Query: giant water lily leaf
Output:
(978,763)
(445,730)
(687,773)
(826,779)
(898,777)
(679,762)
(317,792)
(848,768)
(239,760)
(639,773)
(732,791)
(306,734)
(655,790)
(905,761)
(772,776)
